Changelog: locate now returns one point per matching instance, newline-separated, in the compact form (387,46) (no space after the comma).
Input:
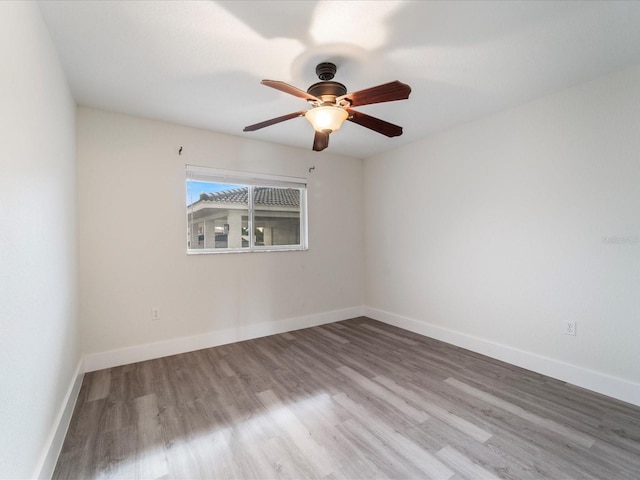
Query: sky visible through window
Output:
(194,189)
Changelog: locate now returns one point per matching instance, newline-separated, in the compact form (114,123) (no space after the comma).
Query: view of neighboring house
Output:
(221,219)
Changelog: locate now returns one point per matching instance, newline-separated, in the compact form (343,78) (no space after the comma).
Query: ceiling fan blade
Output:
(388,92)
(321,140)
(266,123)
(375,124)
(286,88)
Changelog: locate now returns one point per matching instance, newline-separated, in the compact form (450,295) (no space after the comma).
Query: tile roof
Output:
(288,197)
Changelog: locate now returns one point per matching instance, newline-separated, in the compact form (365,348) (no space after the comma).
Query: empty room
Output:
(320,240)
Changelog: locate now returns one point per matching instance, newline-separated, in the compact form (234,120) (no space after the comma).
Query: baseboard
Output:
(139,353)
(595,381)
(53,446)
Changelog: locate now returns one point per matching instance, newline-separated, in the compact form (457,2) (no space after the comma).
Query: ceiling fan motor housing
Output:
(327,91)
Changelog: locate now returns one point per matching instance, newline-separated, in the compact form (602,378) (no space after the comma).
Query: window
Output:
(243,212)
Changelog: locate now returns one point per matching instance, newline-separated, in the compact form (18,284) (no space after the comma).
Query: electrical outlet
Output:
(155,313)
(570,327)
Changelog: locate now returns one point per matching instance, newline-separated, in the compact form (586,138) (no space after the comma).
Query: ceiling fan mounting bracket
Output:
(326,70)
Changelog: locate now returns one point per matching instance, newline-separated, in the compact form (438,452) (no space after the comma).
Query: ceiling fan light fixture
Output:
(326,117)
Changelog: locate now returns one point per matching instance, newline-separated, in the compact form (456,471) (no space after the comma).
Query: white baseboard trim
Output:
(53,446)
(149,351)
(592,380)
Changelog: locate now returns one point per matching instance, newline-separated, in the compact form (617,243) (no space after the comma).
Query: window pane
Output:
(276,216)
(217,215)
(225,214)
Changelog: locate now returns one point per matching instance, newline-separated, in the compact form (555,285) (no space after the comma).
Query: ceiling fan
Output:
(331,105)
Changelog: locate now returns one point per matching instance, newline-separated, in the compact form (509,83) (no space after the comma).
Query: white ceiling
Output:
(199,63)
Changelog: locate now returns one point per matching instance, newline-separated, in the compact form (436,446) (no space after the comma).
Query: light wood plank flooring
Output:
(354,399)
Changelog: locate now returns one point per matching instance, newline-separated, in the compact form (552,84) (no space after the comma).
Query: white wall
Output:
(490,235)
(132,234)
(39,354)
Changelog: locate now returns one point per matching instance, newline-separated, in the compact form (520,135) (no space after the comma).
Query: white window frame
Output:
(250,180)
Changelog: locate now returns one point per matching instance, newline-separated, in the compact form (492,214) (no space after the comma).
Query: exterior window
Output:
(240,212)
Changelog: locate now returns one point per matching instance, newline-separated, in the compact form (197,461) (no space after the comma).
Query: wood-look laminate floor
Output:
(354,399)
